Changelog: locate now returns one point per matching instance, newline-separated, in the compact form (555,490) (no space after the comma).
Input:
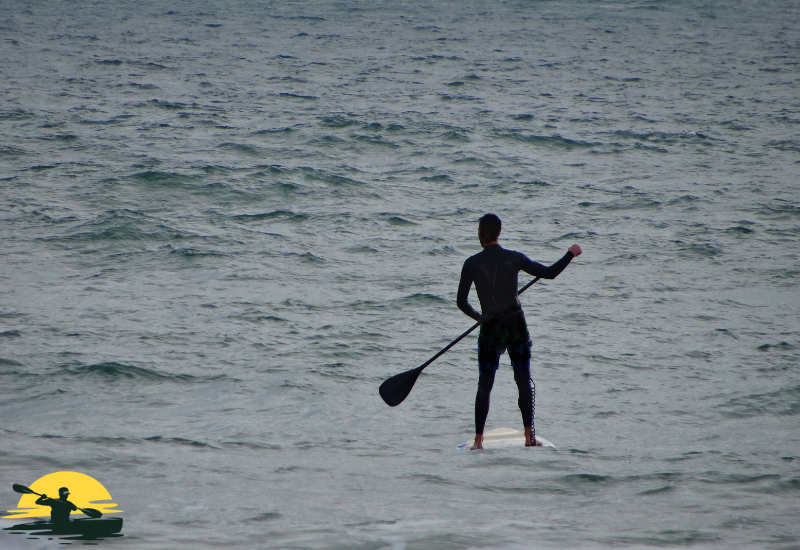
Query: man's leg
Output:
(488,361)
(520,356)
(485,383)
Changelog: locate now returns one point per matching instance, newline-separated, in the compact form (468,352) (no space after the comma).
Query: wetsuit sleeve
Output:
(538,270)
(462,299)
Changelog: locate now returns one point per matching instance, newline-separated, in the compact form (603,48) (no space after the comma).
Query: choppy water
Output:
(224,224)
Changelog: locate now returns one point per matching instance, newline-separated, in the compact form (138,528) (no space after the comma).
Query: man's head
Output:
(489,229)
(63,493)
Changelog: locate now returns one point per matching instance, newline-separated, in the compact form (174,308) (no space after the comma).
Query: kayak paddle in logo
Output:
(60,496)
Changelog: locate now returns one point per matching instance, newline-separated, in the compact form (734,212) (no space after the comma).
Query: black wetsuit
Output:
(495,274)
(59,509)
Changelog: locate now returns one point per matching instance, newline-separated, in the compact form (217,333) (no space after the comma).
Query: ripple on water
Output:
(555,141)
(783,402)
(120,225)
(163,179)
(120,372)
(242,148)
(279,215)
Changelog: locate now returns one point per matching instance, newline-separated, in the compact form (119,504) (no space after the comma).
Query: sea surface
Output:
(224,223)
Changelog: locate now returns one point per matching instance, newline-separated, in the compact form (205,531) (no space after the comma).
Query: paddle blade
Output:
(396,389)
(22,489)
(91,512)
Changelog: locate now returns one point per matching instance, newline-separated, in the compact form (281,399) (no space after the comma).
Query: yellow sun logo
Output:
(85,492)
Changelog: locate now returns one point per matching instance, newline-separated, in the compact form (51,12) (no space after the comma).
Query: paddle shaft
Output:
(395,389)
(476,325)
(22,489)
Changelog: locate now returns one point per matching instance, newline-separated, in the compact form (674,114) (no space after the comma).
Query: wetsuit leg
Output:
(520,356)
(525,400)
(485,383)
(488,362)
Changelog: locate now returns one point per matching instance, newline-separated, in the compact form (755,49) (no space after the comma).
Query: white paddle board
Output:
(505,437)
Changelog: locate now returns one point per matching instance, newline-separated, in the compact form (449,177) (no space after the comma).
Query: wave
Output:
(178,441)
(241,148)
(16,114)
(783,346)
(548,141)
(361,249)
(376,140)
(445,251)
(783,487)
(335,180)
(168,105)
(163,179)
(671,538)
(337,122)
(255,316)
(326,141)
(60,137)
(282,215)
(703,250)
(664,137)
(298,96)
(790,146)
(420,298)
(740,230)
(308,258)
(120,225)
(448,97)
(782,208)
(192,253)
(429,478)
(444,178)
(286,130)
(783,402)
(567,237)
(456,137)
(397,220)
(10,151)
(113,371)
(149,65)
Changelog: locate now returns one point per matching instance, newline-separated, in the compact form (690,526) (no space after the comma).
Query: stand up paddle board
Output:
(505,437)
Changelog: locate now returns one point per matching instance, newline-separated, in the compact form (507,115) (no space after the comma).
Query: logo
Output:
(75,505)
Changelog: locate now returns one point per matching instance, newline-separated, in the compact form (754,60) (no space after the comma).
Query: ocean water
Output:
(224,224)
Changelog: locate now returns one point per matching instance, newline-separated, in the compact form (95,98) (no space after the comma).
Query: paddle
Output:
(396,389)
(91,512)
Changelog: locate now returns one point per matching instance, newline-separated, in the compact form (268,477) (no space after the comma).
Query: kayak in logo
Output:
(59,496)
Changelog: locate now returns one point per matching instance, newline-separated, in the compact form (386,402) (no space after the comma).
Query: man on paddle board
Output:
(494,272)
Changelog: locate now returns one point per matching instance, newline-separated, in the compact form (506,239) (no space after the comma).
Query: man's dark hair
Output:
(491,226)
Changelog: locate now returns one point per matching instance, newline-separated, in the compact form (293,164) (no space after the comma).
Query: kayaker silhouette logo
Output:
(60,496)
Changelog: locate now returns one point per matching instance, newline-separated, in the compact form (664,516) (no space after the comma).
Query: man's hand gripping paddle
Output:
(91,512)
(396,389)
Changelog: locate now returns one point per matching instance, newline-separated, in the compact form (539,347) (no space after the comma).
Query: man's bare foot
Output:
(478,442)
(528,443)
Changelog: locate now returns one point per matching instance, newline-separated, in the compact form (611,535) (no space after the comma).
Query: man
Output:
(59,508)
(494,272)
